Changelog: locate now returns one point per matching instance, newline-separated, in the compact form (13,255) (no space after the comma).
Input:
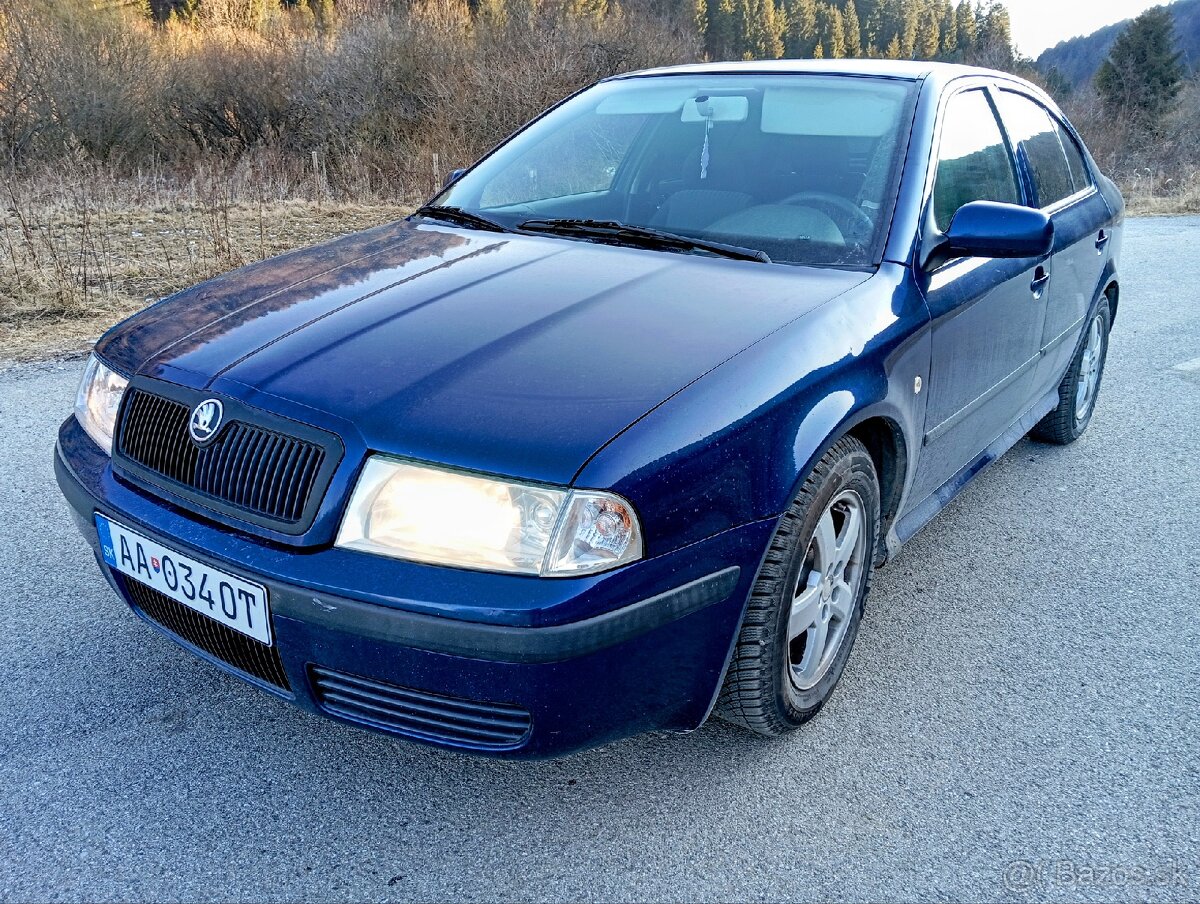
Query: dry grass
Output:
(68,271)
(1153,196)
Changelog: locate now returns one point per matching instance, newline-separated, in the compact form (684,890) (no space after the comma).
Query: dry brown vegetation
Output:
(141,158)
(69,270)
(1159,172)
(359,104)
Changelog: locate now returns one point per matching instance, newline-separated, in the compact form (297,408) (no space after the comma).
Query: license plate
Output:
(238,604)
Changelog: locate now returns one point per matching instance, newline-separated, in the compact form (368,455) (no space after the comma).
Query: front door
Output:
(987,316)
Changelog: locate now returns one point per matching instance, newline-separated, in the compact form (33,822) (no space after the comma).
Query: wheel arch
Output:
(880,430)
(884,440)
(1113,293)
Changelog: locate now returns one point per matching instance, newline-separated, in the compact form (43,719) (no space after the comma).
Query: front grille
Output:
(421,714)
(230,646)
(247,467)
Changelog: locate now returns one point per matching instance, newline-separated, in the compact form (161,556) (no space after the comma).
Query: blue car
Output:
(610,435)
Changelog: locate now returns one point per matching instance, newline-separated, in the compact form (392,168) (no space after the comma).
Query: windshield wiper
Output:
(641,236)
(459,217)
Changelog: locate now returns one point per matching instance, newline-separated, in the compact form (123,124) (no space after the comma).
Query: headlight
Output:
(447,517)
(97,402)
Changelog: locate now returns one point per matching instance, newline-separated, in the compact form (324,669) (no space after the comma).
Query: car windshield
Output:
(800,168)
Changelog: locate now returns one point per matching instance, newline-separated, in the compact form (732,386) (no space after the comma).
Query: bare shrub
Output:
(370,94)
(242,15)
(223,91)
(74,82)
(1156,168)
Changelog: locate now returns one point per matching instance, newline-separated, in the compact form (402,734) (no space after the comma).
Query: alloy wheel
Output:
(1089,370)
(826,590)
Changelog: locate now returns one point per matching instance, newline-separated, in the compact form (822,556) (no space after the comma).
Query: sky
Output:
(1038,24)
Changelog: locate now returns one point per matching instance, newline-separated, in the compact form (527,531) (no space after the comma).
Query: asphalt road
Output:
(1018,720)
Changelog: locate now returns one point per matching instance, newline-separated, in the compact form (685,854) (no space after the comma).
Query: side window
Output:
(973,160)
(1081,176)
(1036,135)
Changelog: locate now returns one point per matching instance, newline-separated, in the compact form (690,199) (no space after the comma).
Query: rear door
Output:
(987,315)
(1060,183)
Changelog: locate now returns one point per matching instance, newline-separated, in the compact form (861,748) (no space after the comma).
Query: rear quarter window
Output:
(1081,176)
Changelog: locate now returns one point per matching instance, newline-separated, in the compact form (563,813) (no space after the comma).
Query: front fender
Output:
(733,447)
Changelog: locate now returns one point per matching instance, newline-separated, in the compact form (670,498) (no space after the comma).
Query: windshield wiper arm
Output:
(459,217)
(643,236)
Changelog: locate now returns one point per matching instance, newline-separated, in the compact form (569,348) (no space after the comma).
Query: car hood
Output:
(512,354)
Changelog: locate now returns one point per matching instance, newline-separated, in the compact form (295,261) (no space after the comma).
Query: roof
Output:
(908,69)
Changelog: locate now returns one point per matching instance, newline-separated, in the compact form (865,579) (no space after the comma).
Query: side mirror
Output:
(452,177)
(990,229)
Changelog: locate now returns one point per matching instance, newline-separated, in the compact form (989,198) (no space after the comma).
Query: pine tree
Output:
(759,30)
(700,17)
(967,27)
(721,38)
(909,28)
(187,11)
(872,19)
(864,8)
(774,23)
(588,10)
(743,13)
(949,30)
(892,21)
(852,30)
(320,14)
(1143,74)
(1057,85)
(800,30)
(929,36)
(832,31)
(994,45)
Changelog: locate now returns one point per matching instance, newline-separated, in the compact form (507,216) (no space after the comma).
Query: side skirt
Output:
(906,527)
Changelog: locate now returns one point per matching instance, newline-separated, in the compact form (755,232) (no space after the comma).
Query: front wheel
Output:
(1080,386)
(807,601)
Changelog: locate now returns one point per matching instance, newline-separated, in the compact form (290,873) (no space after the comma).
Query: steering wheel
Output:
(860,224)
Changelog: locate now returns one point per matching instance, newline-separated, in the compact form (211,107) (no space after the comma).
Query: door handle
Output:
(1041,277)
(1102,239)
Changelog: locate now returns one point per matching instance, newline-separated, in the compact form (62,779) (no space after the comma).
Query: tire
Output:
(776,681)
(1066,423)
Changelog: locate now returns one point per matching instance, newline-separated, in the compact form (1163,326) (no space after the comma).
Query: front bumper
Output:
(577,662)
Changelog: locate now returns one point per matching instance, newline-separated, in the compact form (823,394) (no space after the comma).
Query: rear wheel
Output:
(1079,388)
(807,602)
